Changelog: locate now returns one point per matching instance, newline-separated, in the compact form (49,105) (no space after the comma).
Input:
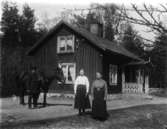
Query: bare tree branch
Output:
(154,24)
(165,9)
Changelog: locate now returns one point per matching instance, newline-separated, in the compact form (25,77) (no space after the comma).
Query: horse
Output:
(47,80)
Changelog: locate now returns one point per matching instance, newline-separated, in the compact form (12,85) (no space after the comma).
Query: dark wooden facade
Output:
(85,56)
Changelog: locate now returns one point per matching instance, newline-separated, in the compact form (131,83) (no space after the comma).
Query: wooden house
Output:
(74,48)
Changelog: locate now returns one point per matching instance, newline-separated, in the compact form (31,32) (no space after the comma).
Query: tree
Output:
(19,34)
(10,24)
(149,16)
(19,29)
(27,26)
(158,58)
(111,19)
(131,42)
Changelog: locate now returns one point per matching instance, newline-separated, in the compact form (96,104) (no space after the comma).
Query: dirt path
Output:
(12,112)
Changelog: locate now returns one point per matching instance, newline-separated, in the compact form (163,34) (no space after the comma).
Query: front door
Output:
(112,74)
(113,78)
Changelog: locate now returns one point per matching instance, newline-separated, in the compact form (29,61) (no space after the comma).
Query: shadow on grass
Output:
(42,122)
(114,115)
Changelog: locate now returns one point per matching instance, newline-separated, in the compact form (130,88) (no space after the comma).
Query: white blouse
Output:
(81,80)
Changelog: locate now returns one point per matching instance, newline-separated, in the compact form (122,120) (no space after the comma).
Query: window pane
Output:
(64,69)
(112,74)
(71,73)
(70,44)
(62,44)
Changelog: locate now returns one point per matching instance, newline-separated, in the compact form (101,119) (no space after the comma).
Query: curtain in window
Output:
(69,43)
(112,74)
(69,72)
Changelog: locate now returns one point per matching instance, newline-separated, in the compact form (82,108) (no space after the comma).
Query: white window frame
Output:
(67,65)
(65,37)
(111,80)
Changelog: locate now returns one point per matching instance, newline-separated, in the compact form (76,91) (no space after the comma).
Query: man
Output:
(21,79)
(44,86)
(33,88)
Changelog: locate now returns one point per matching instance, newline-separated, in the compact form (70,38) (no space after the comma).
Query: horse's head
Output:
(59,75)
(51,73)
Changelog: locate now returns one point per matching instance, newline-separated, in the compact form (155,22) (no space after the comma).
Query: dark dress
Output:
(99,109)
(81,99)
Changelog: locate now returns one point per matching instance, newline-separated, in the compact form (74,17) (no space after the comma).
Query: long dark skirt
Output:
(99,109)
(81,99)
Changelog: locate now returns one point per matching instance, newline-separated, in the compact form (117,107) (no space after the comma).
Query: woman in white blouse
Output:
(81,90)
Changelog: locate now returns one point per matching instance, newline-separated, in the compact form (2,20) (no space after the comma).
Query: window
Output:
(65,44)
(112,74)
(69,72)
(131,74)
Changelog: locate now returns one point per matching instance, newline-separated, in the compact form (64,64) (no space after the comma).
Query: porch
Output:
(125,76)
(135,79)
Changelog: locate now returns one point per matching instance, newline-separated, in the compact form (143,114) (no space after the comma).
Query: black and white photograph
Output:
(83,64)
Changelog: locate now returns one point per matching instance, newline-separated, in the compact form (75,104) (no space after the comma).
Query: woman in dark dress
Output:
(81,90)
(99,96)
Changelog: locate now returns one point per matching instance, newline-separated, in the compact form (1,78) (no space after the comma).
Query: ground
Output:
(126,112)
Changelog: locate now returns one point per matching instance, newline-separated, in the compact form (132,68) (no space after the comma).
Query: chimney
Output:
(97,29)
(95,26)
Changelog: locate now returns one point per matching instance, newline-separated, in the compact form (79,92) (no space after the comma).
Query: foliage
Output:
(9,24)
(159,60)
(112,20)
(107,14)
(27,26)
(131,42)
(19,29)
(19,33)
(148,16)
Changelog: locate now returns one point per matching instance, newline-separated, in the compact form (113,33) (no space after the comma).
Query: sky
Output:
(86,2)
(52,8)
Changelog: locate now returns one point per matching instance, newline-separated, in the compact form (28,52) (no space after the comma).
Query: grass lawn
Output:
(139,117)
(160,94)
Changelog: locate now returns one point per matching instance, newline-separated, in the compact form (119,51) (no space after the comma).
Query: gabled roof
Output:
(97,41)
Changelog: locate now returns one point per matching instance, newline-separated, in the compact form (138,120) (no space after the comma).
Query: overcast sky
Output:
(87,2)
(52,8)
